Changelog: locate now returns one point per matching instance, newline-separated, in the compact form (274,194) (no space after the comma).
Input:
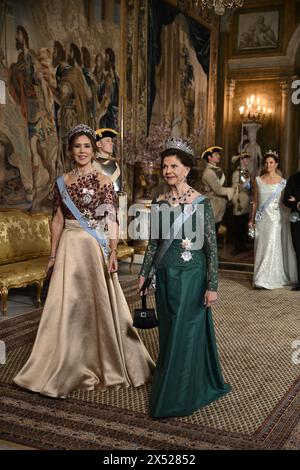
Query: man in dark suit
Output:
(292,200)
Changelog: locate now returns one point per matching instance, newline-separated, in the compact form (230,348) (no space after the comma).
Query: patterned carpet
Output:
(255,330)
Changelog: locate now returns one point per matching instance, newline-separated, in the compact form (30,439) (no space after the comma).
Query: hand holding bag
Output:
(145,318)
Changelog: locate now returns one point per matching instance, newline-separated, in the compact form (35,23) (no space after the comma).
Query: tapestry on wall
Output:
(60,68)
(179,72)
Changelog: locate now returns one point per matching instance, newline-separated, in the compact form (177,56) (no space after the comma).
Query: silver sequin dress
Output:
(274,257)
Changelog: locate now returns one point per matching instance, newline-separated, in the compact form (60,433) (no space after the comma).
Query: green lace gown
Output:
(188,374)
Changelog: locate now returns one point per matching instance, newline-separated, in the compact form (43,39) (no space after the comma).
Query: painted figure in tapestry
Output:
(71,94)
(47,91)
(108,92)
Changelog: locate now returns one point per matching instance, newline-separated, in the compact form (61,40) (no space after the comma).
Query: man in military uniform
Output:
(104,161)
(241,182)
(213,179)
(291,199)
(108,165)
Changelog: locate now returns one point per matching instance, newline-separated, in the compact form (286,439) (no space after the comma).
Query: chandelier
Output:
(256,109)
(219,5)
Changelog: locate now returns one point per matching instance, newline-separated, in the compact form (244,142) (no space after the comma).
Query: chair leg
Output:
(4,294)
(39,292)
(131,263)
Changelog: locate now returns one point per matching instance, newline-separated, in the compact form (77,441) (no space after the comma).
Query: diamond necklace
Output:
(182,198)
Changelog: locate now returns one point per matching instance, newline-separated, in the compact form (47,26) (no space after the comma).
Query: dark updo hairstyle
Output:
(186,159)
(78,134)
(276,160)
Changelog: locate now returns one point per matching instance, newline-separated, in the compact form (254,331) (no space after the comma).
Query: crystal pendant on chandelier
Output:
(219,5)
(219,8)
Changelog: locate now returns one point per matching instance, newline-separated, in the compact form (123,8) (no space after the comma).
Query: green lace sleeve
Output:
(148,258)
(210,247)
(149,255)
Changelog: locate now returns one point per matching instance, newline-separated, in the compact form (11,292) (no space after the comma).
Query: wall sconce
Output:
(254,110)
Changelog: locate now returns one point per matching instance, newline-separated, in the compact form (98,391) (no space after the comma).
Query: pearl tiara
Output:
(82,128)
(179,144)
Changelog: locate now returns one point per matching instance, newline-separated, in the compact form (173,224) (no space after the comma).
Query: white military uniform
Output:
(213,179)
(241,198)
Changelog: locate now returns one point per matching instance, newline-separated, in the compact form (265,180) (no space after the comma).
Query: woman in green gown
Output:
(188,374)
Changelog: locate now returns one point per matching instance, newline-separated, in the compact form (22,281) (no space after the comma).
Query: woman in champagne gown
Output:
(274,258)
(85,338)
(188,374)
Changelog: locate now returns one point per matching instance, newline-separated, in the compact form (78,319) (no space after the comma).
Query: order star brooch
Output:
(91,222)
(186,244)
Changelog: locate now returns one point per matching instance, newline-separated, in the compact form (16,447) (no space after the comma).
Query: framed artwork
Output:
(257,31)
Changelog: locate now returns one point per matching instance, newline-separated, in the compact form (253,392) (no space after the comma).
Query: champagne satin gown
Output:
(188,374)
(85,339)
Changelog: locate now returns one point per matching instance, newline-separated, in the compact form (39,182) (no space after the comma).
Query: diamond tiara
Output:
(179,144)
(82,128)
(272,152)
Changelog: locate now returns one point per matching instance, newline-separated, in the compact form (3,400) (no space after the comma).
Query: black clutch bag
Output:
(145,318)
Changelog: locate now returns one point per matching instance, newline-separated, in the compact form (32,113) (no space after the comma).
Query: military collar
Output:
(211,165)
(105,160)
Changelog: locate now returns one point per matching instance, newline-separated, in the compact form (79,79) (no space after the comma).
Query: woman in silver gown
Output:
(85,339)
(274,259)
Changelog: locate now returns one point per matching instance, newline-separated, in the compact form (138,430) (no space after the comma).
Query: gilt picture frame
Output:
(258,31)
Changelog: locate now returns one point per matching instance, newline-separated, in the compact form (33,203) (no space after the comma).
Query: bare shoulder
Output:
(68,177)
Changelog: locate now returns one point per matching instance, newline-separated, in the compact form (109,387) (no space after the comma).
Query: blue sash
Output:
(176,226)
(261,209)
(78,216)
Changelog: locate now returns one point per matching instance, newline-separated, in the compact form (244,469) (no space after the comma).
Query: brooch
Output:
(88,193)
(88,216)
(186,256)
(186,244)
(92,223)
